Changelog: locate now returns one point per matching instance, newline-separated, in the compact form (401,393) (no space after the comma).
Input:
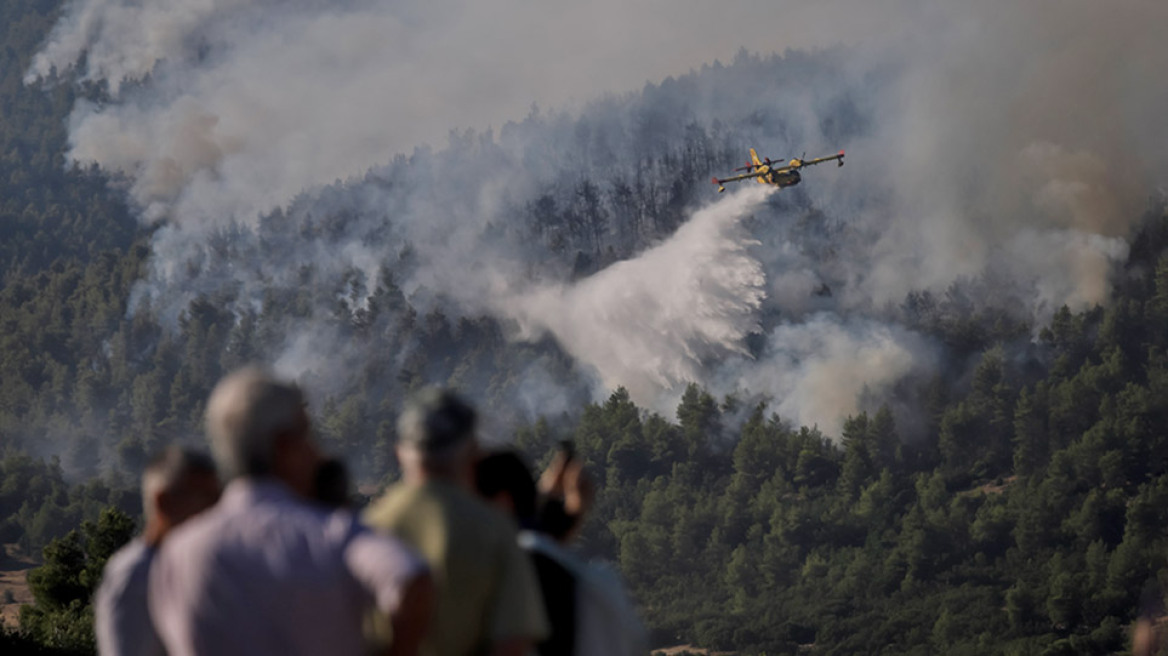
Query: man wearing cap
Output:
(488,599)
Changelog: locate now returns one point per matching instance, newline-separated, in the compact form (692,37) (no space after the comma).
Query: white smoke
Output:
(1086,258)
(1008,138)
(656,322)
(227,108)
(1018,121)
(818,371)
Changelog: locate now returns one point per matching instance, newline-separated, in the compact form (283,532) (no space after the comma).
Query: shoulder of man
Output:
(404,499)
(390,505)
(124,579)
(121,620)
(131,560)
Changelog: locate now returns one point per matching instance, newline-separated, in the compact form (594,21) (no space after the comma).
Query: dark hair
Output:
(331,486)
(176,460)
(552,518)
(505,471)
(167,468)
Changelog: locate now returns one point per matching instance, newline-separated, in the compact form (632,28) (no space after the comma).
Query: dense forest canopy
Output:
(801,448)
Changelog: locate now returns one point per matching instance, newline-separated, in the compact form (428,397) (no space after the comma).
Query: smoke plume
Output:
(283,144)
(656,322)
(823,369)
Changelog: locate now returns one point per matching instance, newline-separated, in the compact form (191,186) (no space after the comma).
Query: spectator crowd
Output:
(257,549)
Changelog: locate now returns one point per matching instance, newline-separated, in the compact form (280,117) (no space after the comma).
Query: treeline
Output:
(60,619)
(38,504)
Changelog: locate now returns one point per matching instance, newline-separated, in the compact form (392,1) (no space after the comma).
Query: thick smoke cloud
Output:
(824,369)
(1015,140)
(1021,125)
(250,101)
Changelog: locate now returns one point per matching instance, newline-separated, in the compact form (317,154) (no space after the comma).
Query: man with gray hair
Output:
(488,599)
(267,571)
(176,485)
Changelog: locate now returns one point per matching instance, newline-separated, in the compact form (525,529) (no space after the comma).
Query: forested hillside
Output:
(48,211)
(66,262)
(1028,522)
(1005,494)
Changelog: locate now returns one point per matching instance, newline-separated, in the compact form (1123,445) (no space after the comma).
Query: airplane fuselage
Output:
(781,179)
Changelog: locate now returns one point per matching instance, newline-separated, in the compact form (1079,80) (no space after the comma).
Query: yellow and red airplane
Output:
(764,171)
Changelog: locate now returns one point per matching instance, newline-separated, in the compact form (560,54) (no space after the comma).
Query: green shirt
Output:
(487,588)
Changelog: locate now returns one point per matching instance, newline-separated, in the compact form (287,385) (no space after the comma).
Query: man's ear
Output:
(282,440)
(287,444)
(164,503)
(405,455)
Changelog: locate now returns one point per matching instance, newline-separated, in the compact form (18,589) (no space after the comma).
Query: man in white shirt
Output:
(176,485)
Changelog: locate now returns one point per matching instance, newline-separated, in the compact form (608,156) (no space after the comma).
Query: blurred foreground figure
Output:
(176,485)
(488,598)
(590,613)
(331,484)
(268,571)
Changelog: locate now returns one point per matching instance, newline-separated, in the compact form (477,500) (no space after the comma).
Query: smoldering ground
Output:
(1014,138)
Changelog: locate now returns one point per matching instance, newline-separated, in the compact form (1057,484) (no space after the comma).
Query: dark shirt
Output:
(559,597)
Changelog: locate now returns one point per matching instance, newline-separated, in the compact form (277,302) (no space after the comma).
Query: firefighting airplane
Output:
(767,172)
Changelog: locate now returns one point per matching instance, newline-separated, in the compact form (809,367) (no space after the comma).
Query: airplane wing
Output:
(736,178)
(819,160)
(744,176)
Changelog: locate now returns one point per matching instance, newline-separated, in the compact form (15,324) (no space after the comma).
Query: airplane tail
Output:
(754,158)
